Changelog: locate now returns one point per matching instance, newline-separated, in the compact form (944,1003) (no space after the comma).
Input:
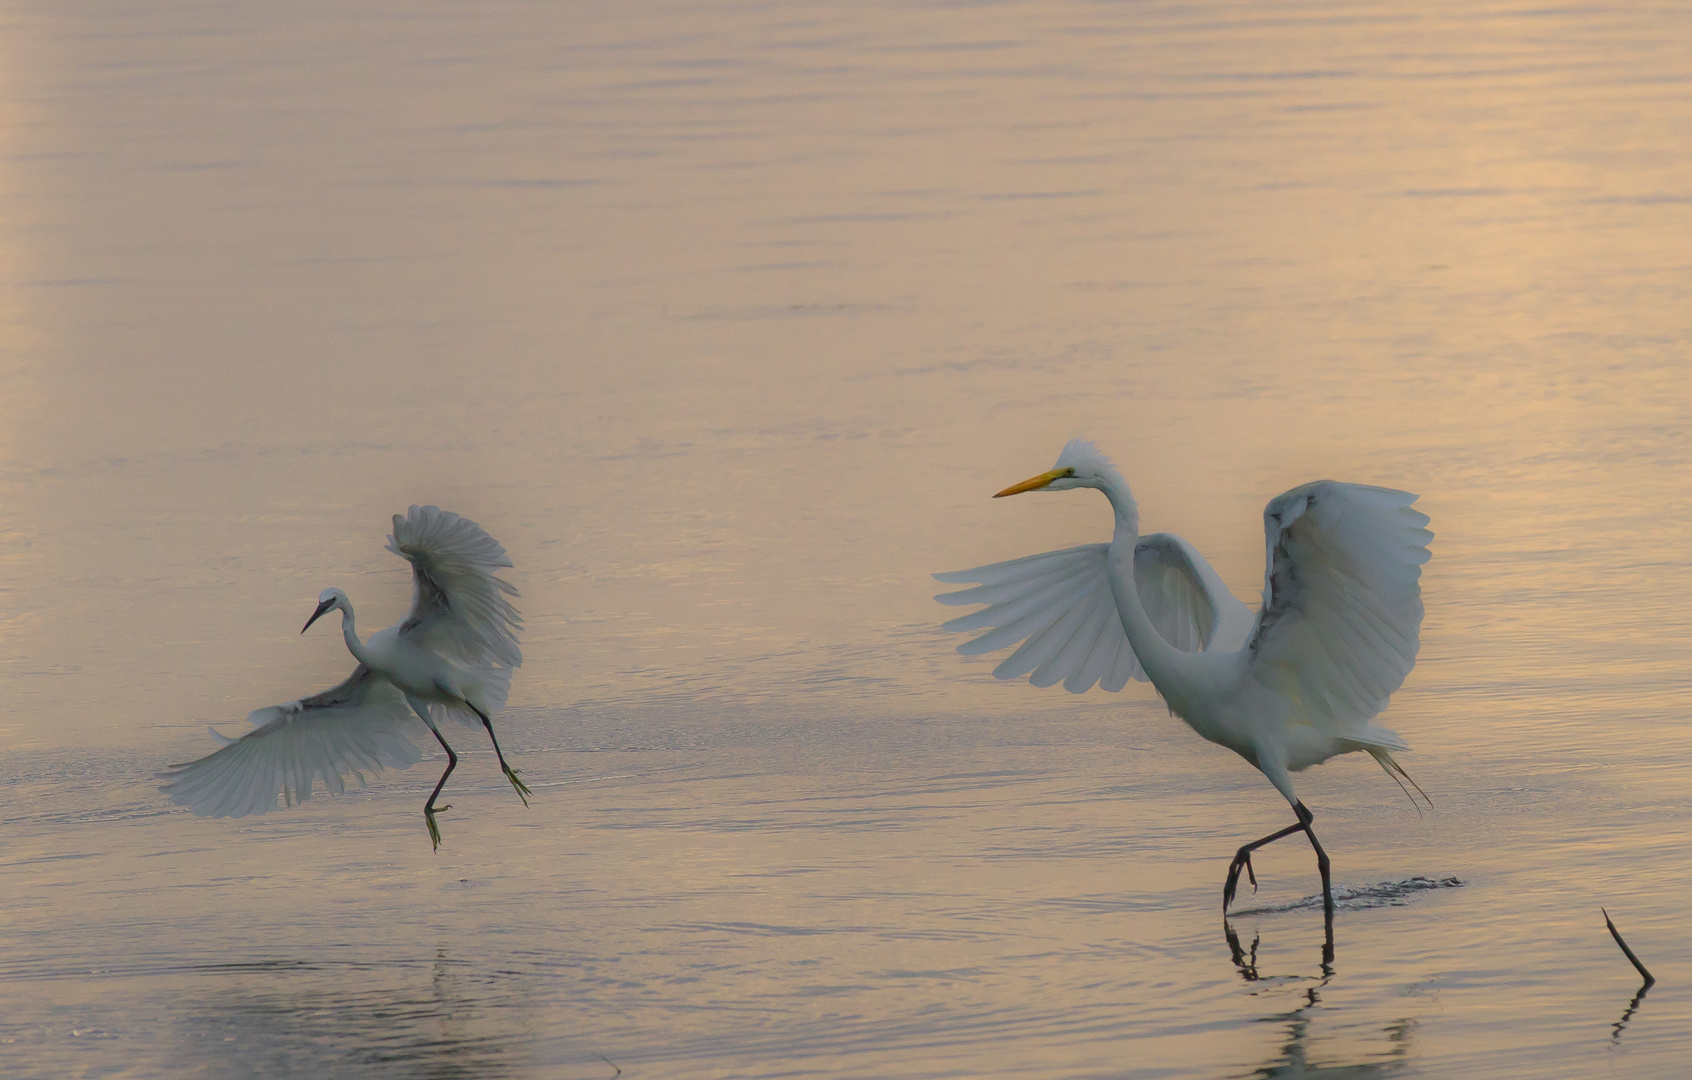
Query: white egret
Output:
(452,656)
(1293,686)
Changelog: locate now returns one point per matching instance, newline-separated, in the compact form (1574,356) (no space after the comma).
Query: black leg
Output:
(523,791)
(429,809)
(1242,861)
(1327,944)
(1305,817)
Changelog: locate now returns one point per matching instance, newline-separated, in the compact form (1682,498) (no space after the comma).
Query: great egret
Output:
(453,655)
(1289,688)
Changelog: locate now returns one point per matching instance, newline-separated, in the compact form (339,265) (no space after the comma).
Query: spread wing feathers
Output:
(1342,600)
(358,726)
(1185,599)
(1060,607)
(459,605)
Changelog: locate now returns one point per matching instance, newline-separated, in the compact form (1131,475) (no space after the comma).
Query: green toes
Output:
(434,829)
(429,812)
(523,791)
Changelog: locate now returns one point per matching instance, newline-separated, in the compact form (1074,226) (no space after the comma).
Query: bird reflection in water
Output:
(464,1023)
(1294,1057)
(1247,963)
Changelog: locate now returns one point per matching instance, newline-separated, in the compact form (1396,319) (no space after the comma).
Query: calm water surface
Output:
(726,320)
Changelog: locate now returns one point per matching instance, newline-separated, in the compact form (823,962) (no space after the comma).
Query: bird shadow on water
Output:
(1297,1056)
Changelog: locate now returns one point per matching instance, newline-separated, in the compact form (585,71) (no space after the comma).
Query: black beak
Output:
(318,614)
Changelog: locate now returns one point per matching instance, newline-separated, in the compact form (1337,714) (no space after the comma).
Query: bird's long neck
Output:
(1167,666)
(350,632)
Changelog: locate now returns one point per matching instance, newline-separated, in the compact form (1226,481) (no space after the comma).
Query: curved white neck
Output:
(1166,665)
(350,633)
(1122,501)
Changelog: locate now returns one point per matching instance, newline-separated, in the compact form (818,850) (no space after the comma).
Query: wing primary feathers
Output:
(1342,606)
(1058,609)
(360,725)
(458,603)
(1100,658)
(1015,620)
(1035,656)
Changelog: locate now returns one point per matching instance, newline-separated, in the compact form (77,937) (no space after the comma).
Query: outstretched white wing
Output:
(459,606)
(1342,599)
(1185,599)
(1059,605)
(358,726)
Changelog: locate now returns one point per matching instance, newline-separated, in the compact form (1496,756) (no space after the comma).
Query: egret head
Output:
(327,601)
(1079,466)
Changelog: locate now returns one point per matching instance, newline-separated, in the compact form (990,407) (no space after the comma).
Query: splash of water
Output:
(1358,898)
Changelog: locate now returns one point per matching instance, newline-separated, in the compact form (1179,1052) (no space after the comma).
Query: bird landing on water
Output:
(453,655)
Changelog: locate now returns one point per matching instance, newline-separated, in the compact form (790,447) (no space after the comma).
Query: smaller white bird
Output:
(1296,684)
(453,655)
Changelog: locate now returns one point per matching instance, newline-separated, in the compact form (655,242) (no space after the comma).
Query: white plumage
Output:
(1297,684)
(452,655)
(357,727)
(1060,607)
(1342,600)
(453,559)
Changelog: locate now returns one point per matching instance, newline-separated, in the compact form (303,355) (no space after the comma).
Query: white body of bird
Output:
(421,672)
(1299,683)
(452,655)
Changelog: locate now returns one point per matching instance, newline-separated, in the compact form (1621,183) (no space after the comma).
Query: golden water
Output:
(726,320)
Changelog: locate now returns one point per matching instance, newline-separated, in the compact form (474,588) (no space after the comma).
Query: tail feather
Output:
(1393,769)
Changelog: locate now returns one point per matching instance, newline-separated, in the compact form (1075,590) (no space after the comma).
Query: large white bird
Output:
(452,656)
(1288,688)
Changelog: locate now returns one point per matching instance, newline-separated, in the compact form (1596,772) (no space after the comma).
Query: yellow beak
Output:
(1035,483)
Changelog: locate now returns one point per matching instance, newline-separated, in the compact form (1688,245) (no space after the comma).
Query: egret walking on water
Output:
(452,656)
(1293,686)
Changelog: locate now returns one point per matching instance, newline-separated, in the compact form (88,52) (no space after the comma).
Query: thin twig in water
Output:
(1649,978)
(613,1064)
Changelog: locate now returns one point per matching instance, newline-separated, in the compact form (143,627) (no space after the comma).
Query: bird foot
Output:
(523,791)
(434,829)
(1242,861)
